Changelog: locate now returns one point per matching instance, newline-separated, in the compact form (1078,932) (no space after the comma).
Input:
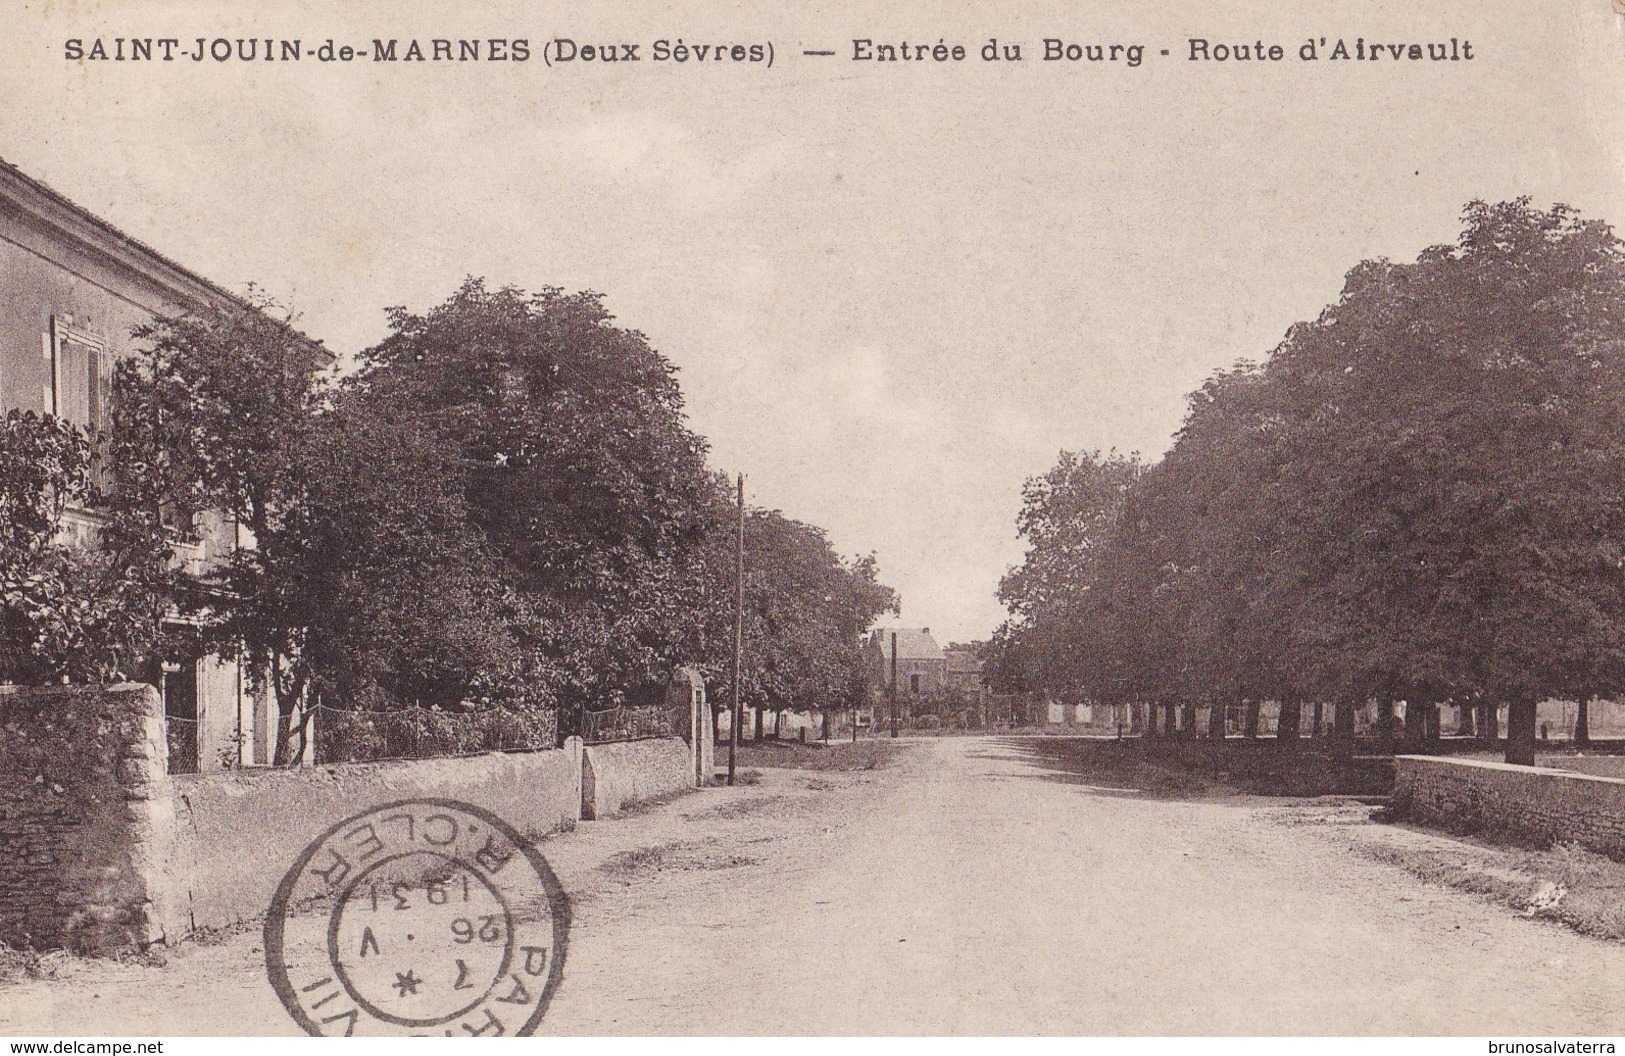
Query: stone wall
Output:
(83,815)
(237,832)
(614,776)
(1528,804)
(100,848)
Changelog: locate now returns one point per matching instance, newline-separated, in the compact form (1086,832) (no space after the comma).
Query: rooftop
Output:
(35,199)
(913,643)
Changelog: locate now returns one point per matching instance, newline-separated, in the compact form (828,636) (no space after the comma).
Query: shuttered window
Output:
(78,376)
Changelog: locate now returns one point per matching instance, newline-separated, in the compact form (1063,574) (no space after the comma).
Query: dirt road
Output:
(970,888)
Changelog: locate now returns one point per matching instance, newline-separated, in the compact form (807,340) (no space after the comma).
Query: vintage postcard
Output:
(847,519)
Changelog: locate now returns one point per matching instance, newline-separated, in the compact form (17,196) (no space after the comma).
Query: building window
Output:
(79,386)
(183,523)
(77,376)
(914,684)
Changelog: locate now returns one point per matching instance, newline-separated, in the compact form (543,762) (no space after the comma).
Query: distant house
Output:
(71,288)
(964,671)
(922,668)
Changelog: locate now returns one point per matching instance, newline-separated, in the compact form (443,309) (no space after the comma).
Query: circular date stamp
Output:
(418,917)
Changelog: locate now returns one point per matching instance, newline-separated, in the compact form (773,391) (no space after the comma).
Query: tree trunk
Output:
(758,724)
(1582,723)
(1385,724)
(1187,721)
(778,722)
(1215,721)
(284,735)
(1343,719)
(284,724)
(1414,724)
(1430,721)
(292,734)
(287,688)
(1290,726)
(1250,720)
(1343,727)
(1136,718)
(1465,727)
(1521,732)
(1153,715)
(1317,726)
(1489,724)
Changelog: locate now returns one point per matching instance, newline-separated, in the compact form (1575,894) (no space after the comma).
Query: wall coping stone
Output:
(1487,764)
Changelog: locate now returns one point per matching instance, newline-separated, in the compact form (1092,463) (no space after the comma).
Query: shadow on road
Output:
(1179,772)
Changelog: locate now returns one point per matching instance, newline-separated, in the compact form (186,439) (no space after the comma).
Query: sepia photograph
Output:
(676,518)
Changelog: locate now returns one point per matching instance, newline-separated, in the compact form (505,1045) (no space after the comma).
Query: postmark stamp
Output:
(418,917)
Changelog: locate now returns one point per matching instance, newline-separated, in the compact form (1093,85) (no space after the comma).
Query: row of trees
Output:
(1419,496)
(502,506)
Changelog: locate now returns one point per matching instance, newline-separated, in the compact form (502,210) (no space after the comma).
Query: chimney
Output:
(925,630)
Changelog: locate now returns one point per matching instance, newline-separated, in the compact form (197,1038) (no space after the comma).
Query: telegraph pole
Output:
(894,683)
(739,631)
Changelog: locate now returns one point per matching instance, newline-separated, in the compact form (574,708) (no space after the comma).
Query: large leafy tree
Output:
(359,579)
(1458,501)
(578,468)
(44,466)
(217,416)
(84,605)
(503,506)
(413,612)
(1058,635)
(1417,497)
(806,611)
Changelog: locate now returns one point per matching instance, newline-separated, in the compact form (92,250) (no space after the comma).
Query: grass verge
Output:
(19,965)
(1567,883)
(677,855)
(836,755)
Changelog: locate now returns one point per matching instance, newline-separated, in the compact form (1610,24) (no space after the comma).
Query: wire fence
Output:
(632,723)
(182,737)
(352,736)
(345,736)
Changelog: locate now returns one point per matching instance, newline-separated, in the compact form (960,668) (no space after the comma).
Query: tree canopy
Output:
(1417,496)
(504,506)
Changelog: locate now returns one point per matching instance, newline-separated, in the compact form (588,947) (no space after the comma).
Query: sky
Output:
(893,291)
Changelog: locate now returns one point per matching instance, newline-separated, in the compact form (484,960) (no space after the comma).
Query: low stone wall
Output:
(235,833)
(1525,803)
(614,776)
(101,849)
(82,803)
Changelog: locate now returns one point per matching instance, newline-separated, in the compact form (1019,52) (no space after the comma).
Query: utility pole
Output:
(894,683)
(739,631)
